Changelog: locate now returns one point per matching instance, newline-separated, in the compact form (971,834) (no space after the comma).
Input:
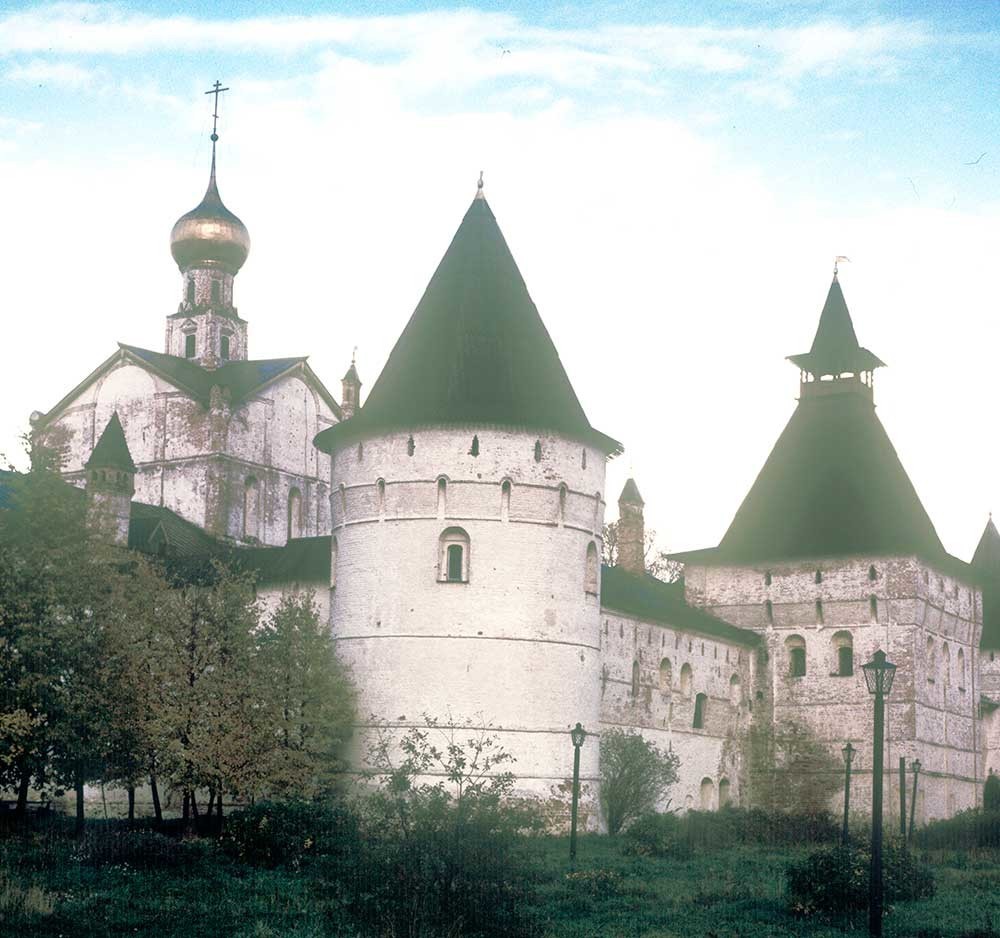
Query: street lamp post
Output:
(913,797)
(848,752)
(878,676)
(578,734)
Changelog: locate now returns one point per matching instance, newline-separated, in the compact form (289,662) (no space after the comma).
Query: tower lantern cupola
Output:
(836,362)
(210,244)
(351,391)
(111,483)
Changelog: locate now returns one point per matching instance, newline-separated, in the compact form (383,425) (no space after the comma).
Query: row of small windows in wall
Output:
(216,290)
(818,576)
(943,669)
(940,584)
(841,655)
(251,510)
(411,448)
(686,678)
(191,346)
(706,794)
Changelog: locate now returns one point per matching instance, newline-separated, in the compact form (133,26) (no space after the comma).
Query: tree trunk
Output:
(211,803)
(131,802)
(78,784)
(194,806)
(189,827)
(157,810)
(22,795)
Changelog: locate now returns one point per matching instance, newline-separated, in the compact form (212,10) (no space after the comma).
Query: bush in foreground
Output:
(634,776)
(657,835)
(833,882)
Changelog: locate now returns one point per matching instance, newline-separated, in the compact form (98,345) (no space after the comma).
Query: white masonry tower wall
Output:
(513,643)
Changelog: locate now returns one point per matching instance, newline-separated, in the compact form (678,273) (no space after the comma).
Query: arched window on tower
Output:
(224,347)
(334,552)
(538,450)
(251,508)
(190,345)
(842,644)
(795,645)
(190,290)
(380,497)
(723,792)
(686,678)
(700,706)
(442,497)
(930,661)
(735,690)
(216,291)
(294,526)
(592,571)
(961,670)
(635,679)
(563,491)
(707,794)
(666,676)
(453,563)
(946,665)
(505,487)
(873,608)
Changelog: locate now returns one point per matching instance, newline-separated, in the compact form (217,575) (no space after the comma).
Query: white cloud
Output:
(59,74)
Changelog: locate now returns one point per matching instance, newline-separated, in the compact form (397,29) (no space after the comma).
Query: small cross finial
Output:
(479,186)
(354,354)
(836,263)
(216,89)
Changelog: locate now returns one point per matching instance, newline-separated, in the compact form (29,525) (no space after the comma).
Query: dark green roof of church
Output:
(241,378)
(111,451)
(835,349)
(475,351)
(646,597)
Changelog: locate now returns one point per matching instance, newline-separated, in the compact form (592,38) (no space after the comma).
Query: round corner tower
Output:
(467,506)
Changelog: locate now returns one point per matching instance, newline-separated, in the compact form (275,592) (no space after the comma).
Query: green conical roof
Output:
(835,349)
(832,486)
(986,561)
(630,494)
(111,451)
(475,351)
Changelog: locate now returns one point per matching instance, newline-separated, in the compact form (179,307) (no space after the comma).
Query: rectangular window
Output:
(224,348)
(797,662)
(189,346)
(845,661)
(455,563)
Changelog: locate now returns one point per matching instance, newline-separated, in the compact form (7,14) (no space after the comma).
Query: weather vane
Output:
(836,263)
(217,89)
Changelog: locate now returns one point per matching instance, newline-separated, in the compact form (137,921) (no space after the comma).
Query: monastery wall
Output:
(515,644)
(651,676)
(927,623)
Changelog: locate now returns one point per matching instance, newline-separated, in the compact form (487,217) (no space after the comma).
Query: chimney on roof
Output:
(110,484)
(631,530)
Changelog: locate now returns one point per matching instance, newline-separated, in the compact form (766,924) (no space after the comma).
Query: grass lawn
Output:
(47,890)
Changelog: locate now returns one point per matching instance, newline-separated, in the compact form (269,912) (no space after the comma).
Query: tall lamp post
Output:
(578,734)
(878,676)
(848,752)
(913,797)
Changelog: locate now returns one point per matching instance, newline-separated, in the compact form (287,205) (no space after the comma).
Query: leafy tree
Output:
(311,696)
(56,579)
(657,562)
(789,769)
(635,775)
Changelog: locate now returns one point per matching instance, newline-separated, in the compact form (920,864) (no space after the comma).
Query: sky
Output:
(674,180)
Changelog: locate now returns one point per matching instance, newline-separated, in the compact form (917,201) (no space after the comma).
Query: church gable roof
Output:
(474,351)
(111,451)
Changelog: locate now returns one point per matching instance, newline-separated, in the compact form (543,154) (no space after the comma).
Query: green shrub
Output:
(991,794)
(657,835)
(596,884)
(140,849)
(634,776)
(834,882)
(273,834)
(966,830)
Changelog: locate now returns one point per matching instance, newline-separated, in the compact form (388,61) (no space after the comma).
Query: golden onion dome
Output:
(210,235)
